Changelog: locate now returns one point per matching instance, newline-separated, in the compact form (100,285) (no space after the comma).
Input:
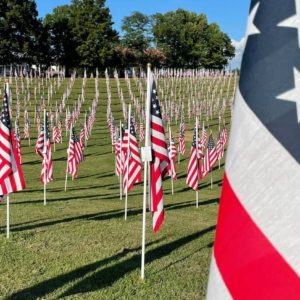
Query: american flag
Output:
(172,155)
(181,146)
(194,170)
(119,154)
(82,137)
(211,156)
(220,146)
(5,141)
(142,132)
(18,140)
(11,174)
(26,126)
(68,120)
(75,154)
(43,149)
(160,164)
(132,154)
(224,136)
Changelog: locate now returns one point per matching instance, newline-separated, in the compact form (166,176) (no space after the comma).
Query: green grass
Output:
(80,247)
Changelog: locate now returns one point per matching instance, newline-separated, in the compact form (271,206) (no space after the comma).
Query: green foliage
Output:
(63,46)
(137,31)
(188,41)
(81,34)
(93,33)
(20,31)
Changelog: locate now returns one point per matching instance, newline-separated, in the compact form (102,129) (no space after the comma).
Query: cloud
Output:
(239,50)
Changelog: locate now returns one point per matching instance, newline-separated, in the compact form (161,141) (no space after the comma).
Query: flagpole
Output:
(146,165)
(66,180)
(45,152)
(7,197)
(7,217)
(121,157)
(197,155)
(170,154)
(128,155)
(85,130)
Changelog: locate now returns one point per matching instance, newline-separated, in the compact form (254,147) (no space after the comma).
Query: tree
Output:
(184,37)
(137,31)
(93,34)
(19,31)
(220,49)
(61,38)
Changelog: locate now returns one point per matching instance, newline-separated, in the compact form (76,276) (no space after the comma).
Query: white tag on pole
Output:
(146,154)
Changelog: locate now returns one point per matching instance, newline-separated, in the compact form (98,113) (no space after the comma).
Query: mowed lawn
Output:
(80,247)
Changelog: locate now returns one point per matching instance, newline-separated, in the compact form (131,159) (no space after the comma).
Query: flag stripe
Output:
(253,251)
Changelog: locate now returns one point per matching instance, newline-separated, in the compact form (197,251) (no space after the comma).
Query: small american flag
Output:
(11,174)
(43,149)
(135,165)
(211,156)
(75,154)
(194,170)
(181,146)
(160,164)
(172,155)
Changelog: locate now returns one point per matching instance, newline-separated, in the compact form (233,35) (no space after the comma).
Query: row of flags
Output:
(128,166)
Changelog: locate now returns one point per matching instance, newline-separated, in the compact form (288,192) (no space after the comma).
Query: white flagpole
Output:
(7,217)
(121,157)
(66,180)
(45,153)
(170,154)
(85,130)
(7,197)
(147,158)
(197,155)
(128,156)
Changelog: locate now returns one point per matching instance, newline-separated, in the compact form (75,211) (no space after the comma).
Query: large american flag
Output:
(211,156)
(132,159)
(194,170)
(43,149)
(11,174)
(257,245)
(75,154)
(160,163)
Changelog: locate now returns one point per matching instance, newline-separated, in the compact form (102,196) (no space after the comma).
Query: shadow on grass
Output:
(102,216)
(49,286)
(107,276)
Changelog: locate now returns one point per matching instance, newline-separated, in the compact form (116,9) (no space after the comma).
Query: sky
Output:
(231,15)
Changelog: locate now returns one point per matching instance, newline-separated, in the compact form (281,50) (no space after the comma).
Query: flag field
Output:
(79,246)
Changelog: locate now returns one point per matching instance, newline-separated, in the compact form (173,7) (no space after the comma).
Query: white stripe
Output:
(217,289)
(266,179)
(159,135)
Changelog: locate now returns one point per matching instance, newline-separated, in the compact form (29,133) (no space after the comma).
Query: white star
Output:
(293,21)
(293,94)
(251,28)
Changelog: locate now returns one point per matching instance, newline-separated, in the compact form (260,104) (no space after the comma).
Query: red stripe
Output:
(250,265)
(159,221)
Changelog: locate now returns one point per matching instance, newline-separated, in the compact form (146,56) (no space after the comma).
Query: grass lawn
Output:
(80,247)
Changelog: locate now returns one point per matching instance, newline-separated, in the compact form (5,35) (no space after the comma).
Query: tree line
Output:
(82,34)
